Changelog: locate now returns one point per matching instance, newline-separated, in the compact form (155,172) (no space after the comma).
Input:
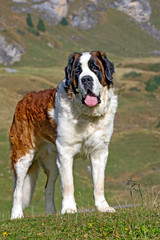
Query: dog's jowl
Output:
(50,127)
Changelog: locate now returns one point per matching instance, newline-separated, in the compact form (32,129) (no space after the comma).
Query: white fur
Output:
(51,113)
(87,131)
(29,184)
(21,168)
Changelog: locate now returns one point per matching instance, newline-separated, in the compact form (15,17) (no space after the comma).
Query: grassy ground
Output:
(135,223)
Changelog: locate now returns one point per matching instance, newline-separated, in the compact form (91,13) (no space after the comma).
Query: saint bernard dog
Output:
(52,126)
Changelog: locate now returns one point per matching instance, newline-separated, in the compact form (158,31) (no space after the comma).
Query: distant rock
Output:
(1,28)
(96,1)
(86,18)
(20,1)
(54,10)
(9,53)
(87,15)
(151,29)
(155,52)
(140,10)
(10,70)
(83,18)
(22,9)
(51,10)
(36,1)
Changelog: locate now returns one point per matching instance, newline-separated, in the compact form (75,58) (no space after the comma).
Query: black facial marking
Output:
(77,72)
(94,67)
(107,65)
(68,72)
(108,68)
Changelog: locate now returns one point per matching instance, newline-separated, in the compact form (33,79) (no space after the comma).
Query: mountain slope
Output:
(113,31)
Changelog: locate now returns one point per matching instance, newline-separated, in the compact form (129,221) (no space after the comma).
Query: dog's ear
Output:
(107,65)
(69,69)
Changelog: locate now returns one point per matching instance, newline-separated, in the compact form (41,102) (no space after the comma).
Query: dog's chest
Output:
(91,133)
(86,127)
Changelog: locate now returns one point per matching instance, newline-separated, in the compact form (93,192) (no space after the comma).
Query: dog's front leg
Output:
(98,161)
(65,164)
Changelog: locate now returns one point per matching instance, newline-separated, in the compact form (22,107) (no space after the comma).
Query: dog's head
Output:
(87,74)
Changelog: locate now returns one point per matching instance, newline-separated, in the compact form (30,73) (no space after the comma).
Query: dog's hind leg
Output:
(21,168)
(29,184)
(50,168)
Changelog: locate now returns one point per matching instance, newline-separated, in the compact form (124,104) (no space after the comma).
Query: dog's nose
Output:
(87,82)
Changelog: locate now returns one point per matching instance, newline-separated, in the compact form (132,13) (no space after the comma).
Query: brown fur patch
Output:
(76,55)
(70,91)
(31,123)
(96,54)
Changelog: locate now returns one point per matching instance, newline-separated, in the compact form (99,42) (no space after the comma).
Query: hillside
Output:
(129,31)
(134,149)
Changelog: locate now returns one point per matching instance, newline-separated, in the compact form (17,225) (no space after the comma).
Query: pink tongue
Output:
(91,101)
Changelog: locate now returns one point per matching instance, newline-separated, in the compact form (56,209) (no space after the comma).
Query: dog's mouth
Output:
(91,99)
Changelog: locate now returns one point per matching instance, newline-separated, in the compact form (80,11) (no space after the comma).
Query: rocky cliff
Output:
(88,16)
(140,11)
(51,10)
(9,52)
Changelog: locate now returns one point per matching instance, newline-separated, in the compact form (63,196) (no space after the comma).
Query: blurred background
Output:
(36,39)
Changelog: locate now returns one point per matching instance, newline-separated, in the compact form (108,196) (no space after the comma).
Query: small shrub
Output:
(132,75)
(158,125)
(135,89)
(29,21)
(155,67)
(20,32)
(33,31)
(145,67)
(153,84)
(41,26)
(157,79)
(64,21)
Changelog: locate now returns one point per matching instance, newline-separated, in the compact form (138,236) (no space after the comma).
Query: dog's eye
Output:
(78,70)
(95,69)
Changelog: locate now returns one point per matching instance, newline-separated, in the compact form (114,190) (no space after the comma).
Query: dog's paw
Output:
(16,214)
(104,207)
(68,206)
(108,209)
(68,210)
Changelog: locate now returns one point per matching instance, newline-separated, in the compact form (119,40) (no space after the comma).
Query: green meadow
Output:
(132,172)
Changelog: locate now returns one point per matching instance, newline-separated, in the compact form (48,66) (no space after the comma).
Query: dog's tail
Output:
(30,183)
